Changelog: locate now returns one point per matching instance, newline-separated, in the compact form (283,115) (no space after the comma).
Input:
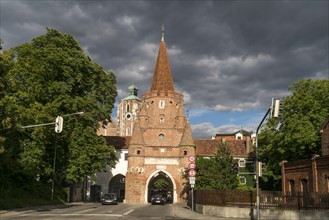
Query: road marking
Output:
(71,215)
(130,211)
(87,210)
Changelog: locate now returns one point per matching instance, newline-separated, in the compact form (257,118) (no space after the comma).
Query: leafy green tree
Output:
(42,79)
(216,172)
(161,184)
(295,136)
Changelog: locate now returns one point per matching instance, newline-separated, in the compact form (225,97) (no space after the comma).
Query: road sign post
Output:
(192,174)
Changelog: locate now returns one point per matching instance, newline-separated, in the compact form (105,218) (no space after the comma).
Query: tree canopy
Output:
(216,172)
(294,135)
(40,80)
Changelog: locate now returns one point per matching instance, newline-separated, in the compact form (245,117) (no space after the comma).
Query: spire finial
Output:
(162,30)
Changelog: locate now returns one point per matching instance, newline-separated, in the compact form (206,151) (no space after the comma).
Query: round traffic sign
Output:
(191,158)
(191,173)
(191,166)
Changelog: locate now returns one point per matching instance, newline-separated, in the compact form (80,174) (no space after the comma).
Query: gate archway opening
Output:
(117,186)
(161,183)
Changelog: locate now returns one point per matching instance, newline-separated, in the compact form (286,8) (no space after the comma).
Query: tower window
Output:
(128,108)
(128,131)
(161,119)
(185,152)
(138,152)
(161,137)
(161,104)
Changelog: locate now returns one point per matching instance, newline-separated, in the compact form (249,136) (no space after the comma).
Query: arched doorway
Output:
(160,183)
(117,186)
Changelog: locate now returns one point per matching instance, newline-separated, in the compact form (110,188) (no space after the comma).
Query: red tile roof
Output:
(162,77)
(206,147)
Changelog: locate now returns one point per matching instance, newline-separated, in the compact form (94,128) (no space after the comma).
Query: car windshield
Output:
(109,196)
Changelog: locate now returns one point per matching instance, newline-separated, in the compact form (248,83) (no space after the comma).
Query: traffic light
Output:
(261,168)
(277,108)
(59,124)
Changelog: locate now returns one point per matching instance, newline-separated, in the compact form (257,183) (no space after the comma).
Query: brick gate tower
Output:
(161,140)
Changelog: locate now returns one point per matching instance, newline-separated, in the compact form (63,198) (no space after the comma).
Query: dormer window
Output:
(161,104)
(238,136)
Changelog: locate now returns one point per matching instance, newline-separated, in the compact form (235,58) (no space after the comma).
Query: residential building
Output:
(309,175)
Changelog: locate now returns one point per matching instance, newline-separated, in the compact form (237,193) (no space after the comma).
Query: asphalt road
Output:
(97,211)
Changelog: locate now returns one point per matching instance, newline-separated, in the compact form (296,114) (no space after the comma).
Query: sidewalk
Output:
(184,211)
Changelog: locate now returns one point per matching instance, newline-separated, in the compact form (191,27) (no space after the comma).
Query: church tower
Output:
(127,112)
(161,140)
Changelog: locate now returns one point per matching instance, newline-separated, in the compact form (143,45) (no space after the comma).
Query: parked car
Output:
(158,199)
(109,199)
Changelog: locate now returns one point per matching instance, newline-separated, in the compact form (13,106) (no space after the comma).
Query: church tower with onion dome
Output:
(127,112)
(161,140)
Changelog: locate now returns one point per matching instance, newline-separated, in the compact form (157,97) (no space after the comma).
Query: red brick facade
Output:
(162,138)
(311,175)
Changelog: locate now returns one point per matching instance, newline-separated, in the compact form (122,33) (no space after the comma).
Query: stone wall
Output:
(271,214)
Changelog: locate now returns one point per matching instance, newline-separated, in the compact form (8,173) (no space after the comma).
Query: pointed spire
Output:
(162,77)
(162,30)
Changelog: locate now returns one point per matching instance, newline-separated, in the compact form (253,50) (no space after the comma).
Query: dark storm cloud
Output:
(225,55)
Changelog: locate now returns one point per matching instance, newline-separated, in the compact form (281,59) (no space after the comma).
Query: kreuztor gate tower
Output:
(161,140)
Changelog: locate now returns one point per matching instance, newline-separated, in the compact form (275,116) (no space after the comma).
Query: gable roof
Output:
(244,132)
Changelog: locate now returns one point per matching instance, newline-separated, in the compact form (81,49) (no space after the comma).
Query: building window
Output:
(126,156)
(161,137)
(185,152)
(128,131)
(304,186)
(242,163)
(161,119)
(138,152)
(127,108)
(292,187)
(161,104)
(238,136)
(243,180)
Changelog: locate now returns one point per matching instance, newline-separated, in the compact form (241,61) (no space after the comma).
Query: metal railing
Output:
(267,199)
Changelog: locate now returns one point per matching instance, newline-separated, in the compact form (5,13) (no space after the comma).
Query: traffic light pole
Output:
(58,128)
(54,168)
(256,166)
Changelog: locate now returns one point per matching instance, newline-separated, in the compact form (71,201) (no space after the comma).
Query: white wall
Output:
(103,178)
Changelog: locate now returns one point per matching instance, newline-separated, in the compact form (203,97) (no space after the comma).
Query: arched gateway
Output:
(161,140)
(117,186)
(160,183)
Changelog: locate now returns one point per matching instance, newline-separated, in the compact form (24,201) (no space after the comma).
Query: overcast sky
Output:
(228,58)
